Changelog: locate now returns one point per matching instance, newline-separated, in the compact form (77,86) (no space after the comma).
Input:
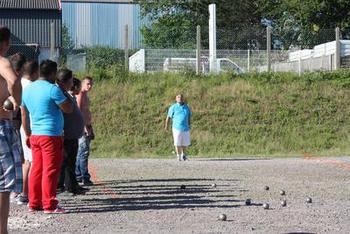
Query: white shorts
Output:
(27,152)
(181,138)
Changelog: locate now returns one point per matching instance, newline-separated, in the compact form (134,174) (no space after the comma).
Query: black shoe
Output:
(83,189)
(88,183)
(77,192)
(79,179)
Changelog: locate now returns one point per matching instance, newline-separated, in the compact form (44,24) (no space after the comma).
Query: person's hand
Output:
(92,136)
(13,105)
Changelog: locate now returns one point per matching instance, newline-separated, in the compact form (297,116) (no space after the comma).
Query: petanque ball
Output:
(284,203)
(248,202)
(282,192)
(213,185)
(222,217)
(266,187)
(266,206)
(308,200)
(8,105)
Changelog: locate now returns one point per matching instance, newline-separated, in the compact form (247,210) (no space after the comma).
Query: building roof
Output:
(30,4)
(99,1)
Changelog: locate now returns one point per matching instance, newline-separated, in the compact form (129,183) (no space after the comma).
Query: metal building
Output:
(102,22)
(30,25)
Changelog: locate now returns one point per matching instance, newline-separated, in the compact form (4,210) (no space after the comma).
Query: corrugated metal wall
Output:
(32,26)
(30,4)
(92,24)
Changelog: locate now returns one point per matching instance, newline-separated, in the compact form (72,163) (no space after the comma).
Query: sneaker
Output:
(33,210)
(179,157)
(14,197)
(184,157)
(79,179)
(87,183)
(22,199)
(80,188)
(58,210)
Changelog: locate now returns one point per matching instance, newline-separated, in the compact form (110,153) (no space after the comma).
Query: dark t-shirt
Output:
(73,122)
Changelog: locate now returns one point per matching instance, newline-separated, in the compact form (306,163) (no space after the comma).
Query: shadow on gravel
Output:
(156,194)
(232,159)
(103,183)
(299,233)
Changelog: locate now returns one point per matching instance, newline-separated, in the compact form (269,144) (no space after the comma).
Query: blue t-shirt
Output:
(42,100)
(180,115)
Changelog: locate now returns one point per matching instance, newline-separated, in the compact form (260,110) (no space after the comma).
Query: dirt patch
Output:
(145,196)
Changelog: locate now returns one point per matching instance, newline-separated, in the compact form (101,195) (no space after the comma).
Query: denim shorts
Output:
(10,159)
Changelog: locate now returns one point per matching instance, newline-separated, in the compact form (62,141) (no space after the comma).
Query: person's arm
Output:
(63,102)
(169,116)
(26,124)
(67,106)
(13,82)
(80,104)
(79,100)
(167,120)
(189,117)
(92,134)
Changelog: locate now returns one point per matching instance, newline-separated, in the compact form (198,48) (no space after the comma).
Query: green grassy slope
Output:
(254,114)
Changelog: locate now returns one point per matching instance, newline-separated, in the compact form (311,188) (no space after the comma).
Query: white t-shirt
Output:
(26,151)
(25,82)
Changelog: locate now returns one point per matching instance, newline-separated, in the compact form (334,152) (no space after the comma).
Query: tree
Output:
(67,42)
(307,23)
(172,24)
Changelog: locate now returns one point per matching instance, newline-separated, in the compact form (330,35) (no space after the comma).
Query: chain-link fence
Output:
(31,51)
(253,49)
(250,50)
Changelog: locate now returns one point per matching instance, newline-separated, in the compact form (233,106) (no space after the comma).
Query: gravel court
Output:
(145,196)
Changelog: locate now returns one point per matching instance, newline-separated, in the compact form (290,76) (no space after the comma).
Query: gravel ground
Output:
(145,196)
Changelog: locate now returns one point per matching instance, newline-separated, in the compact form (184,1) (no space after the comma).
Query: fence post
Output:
(337,48)
(52,41)
(299,63)
(126,47)
(198,52)
(248,58)
(212,39)
(268,48)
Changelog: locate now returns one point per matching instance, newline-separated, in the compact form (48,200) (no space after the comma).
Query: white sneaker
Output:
(22,199)
(14,197)
(179,158)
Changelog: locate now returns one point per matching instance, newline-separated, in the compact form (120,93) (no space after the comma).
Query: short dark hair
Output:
(87,78)
(30,67)
(17,61)
(76,84)
(63,75)
(5,34)
(47,67)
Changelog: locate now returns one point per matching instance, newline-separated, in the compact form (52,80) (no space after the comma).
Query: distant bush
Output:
(103,57)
